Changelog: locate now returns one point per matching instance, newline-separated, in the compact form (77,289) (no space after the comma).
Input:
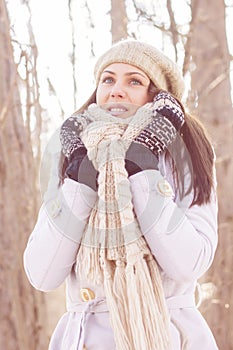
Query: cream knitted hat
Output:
(163,72)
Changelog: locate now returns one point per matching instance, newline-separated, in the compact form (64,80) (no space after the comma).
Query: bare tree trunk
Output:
(22,308)
(119,20)
(210,62)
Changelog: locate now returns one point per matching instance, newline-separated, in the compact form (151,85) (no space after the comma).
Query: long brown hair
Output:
(201,154)
(194,138)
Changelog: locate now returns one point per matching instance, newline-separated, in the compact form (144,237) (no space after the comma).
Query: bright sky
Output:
(54,38)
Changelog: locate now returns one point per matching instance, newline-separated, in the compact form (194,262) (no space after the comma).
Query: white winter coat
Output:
(182,239)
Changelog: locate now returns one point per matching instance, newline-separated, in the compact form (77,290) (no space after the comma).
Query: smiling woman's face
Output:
(122,89)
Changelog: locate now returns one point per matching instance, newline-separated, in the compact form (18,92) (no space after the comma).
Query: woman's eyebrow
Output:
(133,73)
(128,73)
(108,71)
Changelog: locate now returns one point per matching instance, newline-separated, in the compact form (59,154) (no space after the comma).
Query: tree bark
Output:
(210,66)
(119,20)
(22,317)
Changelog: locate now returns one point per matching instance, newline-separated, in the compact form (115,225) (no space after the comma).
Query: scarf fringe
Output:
(116,295)
(142,282)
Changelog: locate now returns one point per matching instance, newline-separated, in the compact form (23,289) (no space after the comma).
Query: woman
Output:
(134,224)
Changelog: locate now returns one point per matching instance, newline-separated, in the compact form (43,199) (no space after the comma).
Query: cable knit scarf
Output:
(113,251)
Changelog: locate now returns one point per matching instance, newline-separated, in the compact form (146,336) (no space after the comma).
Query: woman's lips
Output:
(120,110)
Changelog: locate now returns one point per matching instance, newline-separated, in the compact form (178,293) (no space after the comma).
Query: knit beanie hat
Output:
(162,71)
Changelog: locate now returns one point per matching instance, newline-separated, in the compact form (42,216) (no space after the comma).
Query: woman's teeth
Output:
(118,110)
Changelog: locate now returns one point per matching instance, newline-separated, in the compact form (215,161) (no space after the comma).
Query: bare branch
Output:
(91,25)
(149,18)
(53,91)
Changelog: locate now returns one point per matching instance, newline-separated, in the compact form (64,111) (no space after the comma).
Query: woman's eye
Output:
(135,82)
(107,80)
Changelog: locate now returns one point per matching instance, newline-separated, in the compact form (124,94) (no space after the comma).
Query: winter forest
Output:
(47,52)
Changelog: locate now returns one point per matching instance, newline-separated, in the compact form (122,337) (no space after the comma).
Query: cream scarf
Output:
(113,251)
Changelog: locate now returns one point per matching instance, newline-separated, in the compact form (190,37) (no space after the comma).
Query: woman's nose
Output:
(117,91)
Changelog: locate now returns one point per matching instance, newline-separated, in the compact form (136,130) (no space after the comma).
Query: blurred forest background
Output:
(47,52)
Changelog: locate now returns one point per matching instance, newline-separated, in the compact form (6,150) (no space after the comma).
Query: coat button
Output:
(87,294)
(164,188)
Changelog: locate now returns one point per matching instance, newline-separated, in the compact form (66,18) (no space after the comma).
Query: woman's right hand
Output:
(81,169)
(78,166)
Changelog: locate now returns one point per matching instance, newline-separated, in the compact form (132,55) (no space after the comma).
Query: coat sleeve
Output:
(53,244)
(183,239)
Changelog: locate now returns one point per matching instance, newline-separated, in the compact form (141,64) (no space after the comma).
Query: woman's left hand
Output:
(168,118)
(167,106)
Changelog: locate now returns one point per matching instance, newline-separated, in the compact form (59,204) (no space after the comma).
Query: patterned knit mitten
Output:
(79,167)
(168,118)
